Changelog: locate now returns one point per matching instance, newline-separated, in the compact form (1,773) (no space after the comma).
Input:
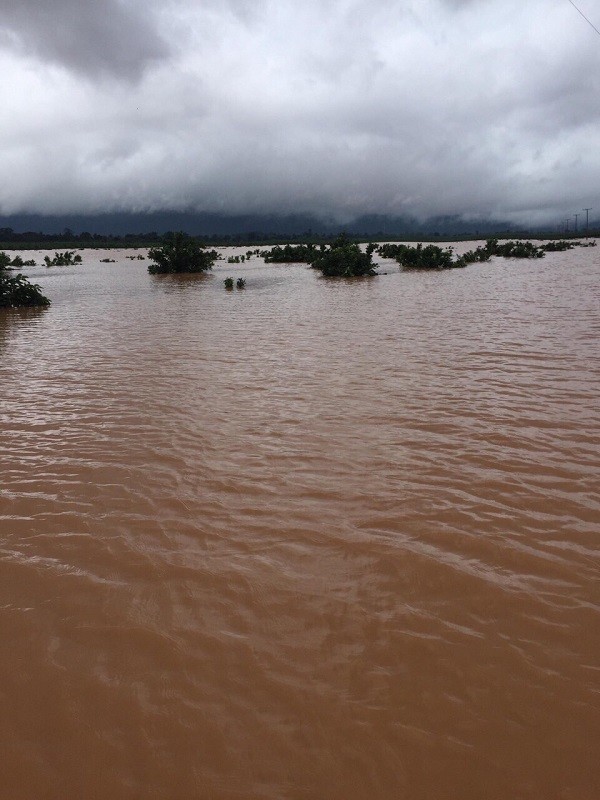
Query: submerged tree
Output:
(344,259)
(514,249)
(17,261)
(559,246)
(429,257)
(16,290)
(418,257)
(181,253)
(289,254)
(66,259)
(479,255)
(433,257)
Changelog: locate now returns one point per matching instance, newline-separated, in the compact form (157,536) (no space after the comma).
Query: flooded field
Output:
(310,540)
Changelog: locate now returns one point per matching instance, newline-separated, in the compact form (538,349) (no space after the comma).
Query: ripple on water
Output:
(313,539)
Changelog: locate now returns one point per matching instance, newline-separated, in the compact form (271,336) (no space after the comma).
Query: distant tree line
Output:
(12,239)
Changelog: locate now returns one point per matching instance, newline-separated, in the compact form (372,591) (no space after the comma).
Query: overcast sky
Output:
(329,107)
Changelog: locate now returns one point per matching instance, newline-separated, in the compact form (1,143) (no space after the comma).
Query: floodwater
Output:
(313,540)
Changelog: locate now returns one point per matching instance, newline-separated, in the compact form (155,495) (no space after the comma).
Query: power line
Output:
(584,16)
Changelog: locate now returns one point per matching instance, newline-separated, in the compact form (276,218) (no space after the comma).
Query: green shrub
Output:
(228,283)
(391,250)
(16,262)
(432,257)
(66,259)
(559,246)
(180,253)
(17,291)
(473,256)
(240,283)
(420,257)
(513,249)
(289,254)
(344,259)
(428,257)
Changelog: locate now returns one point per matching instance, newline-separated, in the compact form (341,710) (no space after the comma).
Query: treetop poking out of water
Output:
(16,290)
(344,259)
(181,253)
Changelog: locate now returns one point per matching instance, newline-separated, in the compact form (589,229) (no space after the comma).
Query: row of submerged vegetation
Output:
(343,257)
(66,259)
(432,257)
(182,253)
(17,290)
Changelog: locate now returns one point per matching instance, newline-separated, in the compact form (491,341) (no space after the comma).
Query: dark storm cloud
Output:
(93,38)
(476,107)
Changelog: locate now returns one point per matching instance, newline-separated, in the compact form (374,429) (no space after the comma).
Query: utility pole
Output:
(587,220)
(567,228)
(575,215)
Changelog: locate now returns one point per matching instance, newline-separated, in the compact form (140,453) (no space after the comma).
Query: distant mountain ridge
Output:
(204,224)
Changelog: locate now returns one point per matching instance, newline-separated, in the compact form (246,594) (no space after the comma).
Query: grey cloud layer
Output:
(93,38)
(342,108)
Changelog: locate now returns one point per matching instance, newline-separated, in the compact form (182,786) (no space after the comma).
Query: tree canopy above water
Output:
(16,290)
(344,259)
(181,253)
(290,254)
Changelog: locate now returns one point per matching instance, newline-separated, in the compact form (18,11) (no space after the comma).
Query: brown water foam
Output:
(310,540)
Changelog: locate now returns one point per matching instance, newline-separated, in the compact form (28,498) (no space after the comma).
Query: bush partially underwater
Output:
(181,253)
(344,259)
(16,290)
(432,257)
(66,259)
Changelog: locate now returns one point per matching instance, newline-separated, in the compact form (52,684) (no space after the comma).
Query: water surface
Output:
(315,539)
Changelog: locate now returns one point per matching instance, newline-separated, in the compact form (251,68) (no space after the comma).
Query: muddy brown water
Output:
(313,540)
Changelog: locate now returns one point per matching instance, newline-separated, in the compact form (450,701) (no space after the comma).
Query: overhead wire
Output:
(584,16)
